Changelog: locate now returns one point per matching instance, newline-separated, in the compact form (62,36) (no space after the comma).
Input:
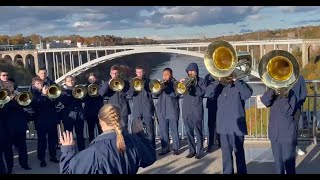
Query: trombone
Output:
(137,84)
(183,87)
(279,70)
(156,86)
(4,97)
(116,84)
(79,91)
(93,90)
(54,91)
(221,60)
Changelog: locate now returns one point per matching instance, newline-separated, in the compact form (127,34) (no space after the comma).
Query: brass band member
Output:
(118,98)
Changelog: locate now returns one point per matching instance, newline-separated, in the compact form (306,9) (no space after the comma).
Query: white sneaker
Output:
(300,152)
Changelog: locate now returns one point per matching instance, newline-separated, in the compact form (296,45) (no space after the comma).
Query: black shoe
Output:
(199,156)
(54,160)
(26,167)
(175,152)
(164,152)
(190,155)
(43,164)
(210,150)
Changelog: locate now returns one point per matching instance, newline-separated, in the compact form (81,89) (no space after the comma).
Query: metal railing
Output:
(256,118)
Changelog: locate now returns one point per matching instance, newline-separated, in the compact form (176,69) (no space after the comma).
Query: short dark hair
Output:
(42,69)
(69,76)
(139,67)
(36,79)
(167,69)
(115,67)
(92,74)
(3,71)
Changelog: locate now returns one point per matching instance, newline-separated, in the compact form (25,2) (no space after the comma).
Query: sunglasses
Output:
(4,75)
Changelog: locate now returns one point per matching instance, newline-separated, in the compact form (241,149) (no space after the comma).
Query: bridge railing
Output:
(257,117)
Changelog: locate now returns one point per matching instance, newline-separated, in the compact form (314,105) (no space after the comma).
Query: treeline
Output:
(103,40)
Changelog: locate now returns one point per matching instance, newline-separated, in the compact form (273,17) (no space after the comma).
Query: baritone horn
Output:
(156,86)
(221,60)
(279,70)
(93,90)
(137,84)
(24,98)
(116,84)
(79,91)
(54,91)
(183,87)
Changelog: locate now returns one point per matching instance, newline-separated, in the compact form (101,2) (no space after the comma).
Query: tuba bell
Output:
(116,84)
(79,91)
(4,97)
(156,86)
(93,90)
(279,70)
(137,84)
(183,87)
(54,91)
(24,98)
(221,60)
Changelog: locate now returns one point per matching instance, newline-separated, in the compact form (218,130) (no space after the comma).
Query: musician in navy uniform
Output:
(112,152)
(282,130)
(142,105)
(73,112)
(46,120)
(231,119)
(43,75)
(168,114)
(91,108)
(16,127)
(213,136)
(118,98)
(3,132)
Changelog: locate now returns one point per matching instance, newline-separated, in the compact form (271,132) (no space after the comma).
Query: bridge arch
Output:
(7,59)
(18,60)
(29,60)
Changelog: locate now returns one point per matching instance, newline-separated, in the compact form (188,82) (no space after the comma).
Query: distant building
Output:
(67,42)
(79,44)
(57,44)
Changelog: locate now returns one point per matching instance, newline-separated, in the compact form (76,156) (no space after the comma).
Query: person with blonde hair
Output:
(112,152)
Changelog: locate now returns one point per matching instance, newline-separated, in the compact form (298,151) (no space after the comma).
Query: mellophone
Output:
(278,70)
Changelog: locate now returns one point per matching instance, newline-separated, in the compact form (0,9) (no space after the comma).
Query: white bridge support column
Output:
(46,61)
(54,66)
(97,56)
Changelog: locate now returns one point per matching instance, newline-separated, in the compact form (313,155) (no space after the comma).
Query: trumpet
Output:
(279,70)
(79,91)
(116,84)
(221,60)
(54,91)
(137,84)
(24,98)
(156,86)
(4,97)
(93,90)
(183,87)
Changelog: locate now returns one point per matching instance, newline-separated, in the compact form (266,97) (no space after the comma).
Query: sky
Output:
(156,22)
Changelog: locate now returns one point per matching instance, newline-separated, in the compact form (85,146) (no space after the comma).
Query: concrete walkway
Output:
(258,157)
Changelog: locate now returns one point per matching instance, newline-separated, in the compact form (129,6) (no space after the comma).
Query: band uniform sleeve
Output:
(146,152)
(103,89)
(211,88)
(201,88)
(268,98)
(244,89)
(288,104)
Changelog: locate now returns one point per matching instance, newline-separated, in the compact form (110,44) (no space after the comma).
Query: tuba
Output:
(79,91)
(279,70)
(54,91)
(93,90)
(221,60)
(4,97)
(116,84)
(183,87)
(137,84)
(156,86)
(24,98)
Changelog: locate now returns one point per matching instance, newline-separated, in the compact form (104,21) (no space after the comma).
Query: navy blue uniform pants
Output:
(284,157)
(3,168)
(230,143)
(164,134)
(18,139)
(78,126)
(191,126)
(212,129)
(148,123)
(92,123)
(47,135)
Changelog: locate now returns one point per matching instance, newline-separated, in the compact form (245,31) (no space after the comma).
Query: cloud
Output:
(295,9)
(246,30)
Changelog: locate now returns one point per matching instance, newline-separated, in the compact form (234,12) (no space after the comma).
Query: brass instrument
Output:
(116,84)
(4,97)
(93,90)
(24,98)
(279,70)
(79,91)
(221,60)
(156,86)
(54,91)
(137,84)
(183,87)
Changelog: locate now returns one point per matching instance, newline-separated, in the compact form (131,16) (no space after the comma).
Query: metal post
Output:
(57,65)
(65,64)
(274,46)
(260,51)
(62,63)
(198,49)
(46,61)
(97,56)
(88,56)
(54,66)
(288,47)
(70,60)
(105,52)
(247,48)
(314,124)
